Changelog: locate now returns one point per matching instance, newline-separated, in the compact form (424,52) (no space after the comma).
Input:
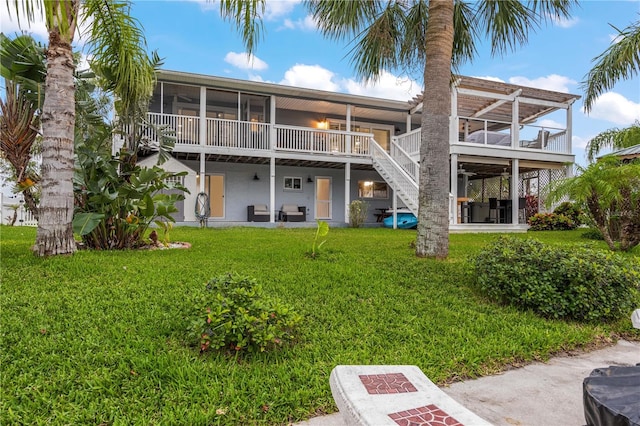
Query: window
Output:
(292,183)
(371,189)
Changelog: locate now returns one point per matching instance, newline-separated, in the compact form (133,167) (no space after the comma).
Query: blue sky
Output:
(191,37)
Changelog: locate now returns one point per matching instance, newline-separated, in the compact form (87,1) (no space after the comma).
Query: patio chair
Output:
(540,141)
(293,213)
(258,213)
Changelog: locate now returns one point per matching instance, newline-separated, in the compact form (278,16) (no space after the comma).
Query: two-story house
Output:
(248,143)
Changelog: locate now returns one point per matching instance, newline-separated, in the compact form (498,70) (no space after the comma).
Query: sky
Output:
(191,36)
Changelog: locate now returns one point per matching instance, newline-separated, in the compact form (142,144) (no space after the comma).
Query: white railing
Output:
(404,186)
(405,160)
(186,128)
(237,134)
(303,139)
(410,142)
(558,142)
(23,216)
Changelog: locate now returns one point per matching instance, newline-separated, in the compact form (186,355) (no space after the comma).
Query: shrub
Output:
(570,210)
(550,222)
(357,213)
(592,234)
(584,284)
(233,312)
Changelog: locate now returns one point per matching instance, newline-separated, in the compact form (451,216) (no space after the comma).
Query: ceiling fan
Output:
(504,173)
(462,171)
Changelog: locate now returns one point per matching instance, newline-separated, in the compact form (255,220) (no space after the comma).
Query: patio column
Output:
(453,188)
(203,117)
(347,190)
(347,148)
(272,123)
(515,184)
(272,189)
(515,123)
(454,120)
(202,172)
(569,131)
(408,123)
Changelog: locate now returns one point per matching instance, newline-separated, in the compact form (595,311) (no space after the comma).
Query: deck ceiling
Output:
(240,159)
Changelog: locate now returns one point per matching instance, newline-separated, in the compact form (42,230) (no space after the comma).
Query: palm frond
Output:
(613,138)
(340,20)
(247,17)
(466,33)
(620,61)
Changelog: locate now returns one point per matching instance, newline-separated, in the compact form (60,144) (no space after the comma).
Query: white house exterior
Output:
(245,143)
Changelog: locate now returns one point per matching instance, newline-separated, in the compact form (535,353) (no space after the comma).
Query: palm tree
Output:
(614,139)
(620,61)
(432,36)
(118,49)
(609,189)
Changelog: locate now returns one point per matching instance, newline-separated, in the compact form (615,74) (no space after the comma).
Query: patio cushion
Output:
(291,210)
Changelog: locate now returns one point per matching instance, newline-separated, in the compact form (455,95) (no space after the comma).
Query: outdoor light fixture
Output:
(309,180)
(255,176)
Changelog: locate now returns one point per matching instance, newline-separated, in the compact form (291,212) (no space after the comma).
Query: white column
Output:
(395,210)
(162,97)
(202,172)
(569,147)
(515,123)
(454,185)
(348,139)
(272,123)
(347,190)
(202,128)
(408,123)
(515,173)
(203,116)
(272,189)
(454,119)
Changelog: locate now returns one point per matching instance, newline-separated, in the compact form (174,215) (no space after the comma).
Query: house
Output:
(246,143)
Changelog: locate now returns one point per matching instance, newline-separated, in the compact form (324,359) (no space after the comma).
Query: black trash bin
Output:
(611,396)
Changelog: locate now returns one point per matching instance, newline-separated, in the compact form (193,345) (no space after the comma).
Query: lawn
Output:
(99,337)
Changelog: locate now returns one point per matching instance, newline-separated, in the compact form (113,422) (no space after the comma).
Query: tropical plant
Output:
(117,44)
(614,139)
(114,210)
(357,213)
(609,193)
(621,60)
(432,37)
(22,64)
(321,231)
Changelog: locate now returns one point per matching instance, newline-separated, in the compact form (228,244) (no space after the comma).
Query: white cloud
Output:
(278,8)
(615,108)
(206,5)
(245,62)
(554,82)
(578,142)
(387,87)
(9,23)
(550,124)
(310,77)
(305,24)
(565,22)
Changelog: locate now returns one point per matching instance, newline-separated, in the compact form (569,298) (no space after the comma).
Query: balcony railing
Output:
(233,134)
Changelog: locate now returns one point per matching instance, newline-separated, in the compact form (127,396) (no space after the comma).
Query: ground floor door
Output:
(214,188)
(323,198)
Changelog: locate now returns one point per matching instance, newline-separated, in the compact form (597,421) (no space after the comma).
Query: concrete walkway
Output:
(539,394)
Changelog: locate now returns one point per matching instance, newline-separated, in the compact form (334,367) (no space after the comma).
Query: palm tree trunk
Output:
(433,212)
(55,231)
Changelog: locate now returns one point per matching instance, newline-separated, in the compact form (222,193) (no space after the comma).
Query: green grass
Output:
(99,337)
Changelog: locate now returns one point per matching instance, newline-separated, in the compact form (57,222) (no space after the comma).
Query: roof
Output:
(385,110)
(626,153)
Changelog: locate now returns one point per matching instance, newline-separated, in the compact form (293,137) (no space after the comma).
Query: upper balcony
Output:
(220,116)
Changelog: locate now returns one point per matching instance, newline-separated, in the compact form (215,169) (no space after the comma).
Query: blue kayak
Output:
(405,221)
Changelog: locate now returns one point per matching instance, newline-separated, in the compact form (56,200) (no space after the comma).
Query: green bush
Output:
(232,312)
(581,284)
(592,234)
(550,222)
(357,213)
(570,210)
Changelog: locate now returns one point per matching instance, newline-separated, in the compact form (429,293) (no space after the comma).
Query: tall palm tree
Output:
(621,60)
(117,45)
(431,36)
